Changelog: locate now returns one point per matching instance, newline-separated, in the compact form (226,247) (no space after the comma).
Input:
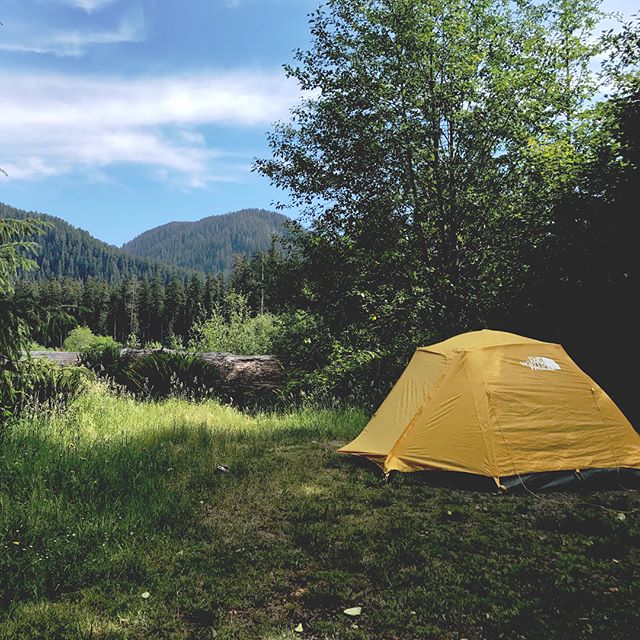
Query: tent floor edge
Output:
(544,481)
(587,479)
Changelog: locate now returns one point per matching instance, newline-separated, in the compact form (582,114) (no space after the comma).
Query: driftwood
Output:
(242,376)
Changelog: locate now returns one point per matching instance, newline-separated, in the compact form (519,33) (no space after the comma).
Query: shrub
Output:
(156,375)
(82,338)
(236,332)
(161,374)
(37,385)
(350,374)
(103,358)
(303,342)
(303,345)
(133,342)
(323,367)
(35,346)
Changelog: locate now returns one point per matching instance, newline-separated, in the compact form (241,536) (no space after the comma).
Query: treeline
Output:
(65,251)
(148,310)
(133,311)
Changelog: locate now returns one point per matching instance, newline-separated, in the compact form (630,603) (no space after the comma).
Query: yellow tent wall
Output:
(399,408)
(496,404)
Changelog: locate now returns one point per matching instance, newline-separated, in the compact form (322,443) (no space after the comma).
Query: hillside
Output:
(66,251)
(210,244)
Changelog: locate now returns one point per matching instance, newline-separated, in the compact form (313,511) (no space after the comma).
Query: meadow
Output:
(122,519)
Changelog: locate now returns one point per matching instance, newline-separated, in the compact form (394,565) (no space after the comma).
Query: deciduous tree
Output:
(416,155)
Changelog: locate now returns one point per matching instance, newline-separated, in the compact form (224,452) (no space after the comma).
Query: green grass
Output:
(118,498)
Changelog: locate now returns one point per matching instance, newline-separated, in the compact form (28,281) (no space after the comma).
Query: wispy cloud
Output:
(131,28)
(55,124)
(88,5)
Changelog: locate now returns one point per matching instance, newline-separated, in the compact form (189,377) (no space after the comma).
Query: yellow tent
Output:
(498,405)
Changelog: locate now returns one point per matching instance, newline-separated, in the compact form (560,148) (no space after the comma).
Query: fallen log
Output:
(63,358)
(242,377)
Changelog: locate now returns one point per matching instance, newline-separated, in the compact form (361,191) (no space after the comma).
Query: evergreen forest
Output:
(211,244)
(65,251)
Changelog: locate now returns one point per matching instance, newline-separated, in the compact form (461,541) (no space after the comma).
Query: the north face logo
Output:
(540,363)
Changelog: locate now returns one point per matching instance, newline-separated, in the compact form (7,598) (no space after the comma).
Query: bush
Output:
(35,346)
(350,374)
(37,385)
(238,332)
(162,374)
(103,358)
(156,375)
(82,338)
(303,345)
(323,367)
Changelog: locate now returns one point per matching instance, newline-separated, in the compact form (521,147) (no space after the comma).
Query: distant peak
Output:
(212,243)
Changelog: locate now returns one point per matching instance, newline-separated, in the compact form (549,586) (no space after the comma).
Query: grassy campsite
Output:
(370,375)
(116,524)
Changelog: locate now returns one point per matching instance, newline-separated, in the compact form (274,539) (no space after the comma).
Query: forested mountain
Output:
(68,252)
(210,244)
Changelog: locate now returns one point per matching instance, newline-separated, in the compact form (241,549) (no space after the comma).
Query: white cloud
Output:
(75,43)
(89,5)
(56,124)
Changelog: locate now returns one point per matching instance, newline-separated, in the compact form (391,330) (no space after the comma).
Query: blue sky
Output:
(120,115)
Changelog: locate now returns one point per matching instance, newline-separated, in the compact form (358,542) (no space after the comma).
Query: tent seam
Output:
(418,413)
(443,352)
(485,436)
(604,424)
(504,440)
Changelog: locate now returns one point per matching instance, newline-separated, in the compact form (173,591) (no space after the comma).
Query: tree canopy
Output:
(460,169)
(431,148)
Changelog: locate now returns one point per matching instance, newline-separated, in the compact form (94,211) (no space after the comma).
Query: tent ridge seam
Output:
(486,435)
(418,413)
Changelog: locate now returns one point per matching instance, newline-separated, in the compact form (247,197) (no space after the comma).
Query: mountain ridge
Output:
(210,244)
(69,251)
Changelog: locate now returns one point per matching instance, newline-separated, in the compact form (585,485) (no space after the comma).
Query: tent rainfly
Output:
(499,405)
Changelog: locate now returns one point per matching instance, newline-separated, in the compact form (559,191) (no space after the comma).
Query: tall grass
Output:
(90,501)
(36,386)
